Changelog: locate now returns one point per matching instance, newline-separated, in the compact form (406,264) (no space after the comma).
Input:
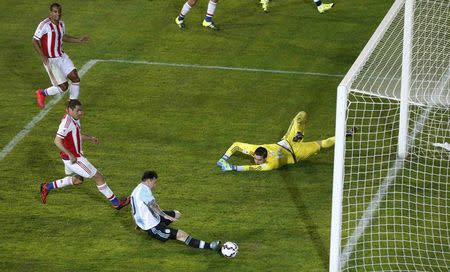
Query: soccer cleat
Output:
(210,25)
(324,7)
(122,203)
(351,131)
(44,192)
(40,98)
(298,137)
(180,23)
(265,5)
(215,245)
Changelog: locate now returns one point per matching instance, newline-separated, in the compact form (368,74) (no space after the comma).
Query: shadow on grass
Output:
(311,227)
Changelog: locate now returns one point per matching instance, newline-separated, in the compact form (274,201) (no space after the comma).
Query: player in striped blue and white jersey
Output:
(151,218)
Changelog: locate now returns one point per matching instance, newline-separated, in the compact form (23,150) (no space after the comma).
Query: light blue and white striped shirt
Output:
(143,216)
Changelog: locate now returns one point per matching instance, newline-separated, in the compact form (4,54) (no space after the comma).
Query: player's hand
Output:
(173,219)
(224,165)
(83,39)
(72,158)
(94,140)
(44,60)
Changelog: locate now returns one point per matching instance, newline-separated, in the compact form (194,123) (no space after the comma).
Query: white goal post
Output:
(391,181)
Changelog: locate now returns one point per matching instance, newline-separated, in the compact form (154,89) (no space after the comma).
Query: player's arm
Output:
(226,166)
(261,167)
(73,39)
(37,46)
(60,144)
(247,149)
(156,209)
(90,138)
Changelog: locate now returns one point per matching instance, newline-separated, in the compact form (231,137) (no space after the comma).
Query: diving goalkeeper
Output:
(291,149)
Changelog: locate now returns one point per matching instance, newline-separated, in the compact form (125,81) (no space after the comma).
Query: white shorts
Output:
(82,167)
(58,69)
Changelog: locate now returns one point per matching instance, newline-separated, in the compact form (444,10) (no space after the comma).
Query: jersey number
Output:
(133,209)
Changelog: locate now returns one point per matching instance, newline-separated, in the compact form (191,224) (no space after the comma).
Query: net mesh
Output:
(395,212)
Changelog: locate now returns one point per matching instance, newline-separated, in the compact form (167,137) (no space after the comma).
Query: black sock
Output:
(192,242)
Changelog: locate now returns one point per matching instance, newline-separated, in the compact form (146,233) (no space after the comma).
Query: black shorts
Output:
(161,231)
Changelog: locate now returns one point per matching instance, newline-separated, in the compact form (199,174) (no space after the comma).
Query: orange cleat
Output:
(40,98)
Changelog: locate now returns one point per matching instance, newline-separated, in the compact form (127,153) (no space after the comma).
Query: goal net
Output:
(391,188)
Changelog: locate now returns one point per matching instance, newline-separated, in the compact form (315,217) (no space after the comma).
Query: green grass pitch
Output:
(178,121)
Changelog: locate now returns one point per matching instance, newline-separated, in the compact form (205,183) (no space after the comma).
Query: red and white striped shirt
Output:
(70,131)
(51,37)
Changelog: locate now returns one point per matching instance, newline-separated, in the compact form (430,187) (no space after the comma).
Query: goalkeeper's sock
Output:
(107,192)
(317,2)
(327,143)
(192,242)
(186,8)
(59,183)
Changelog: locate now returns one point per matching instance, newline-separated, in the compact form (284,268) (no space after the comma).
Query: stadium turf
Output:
(178,121)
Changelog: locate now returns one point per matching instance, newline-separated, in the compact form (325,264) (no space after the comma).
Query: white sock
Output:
(52,90)
(74,90)
(186,8)
(106,191)
(211,8)
(63,182)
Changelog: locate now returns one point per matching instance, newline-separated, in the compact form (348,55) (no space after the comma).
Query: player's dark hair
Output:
(261,151)
(58,6)
(149,175)
(73,103)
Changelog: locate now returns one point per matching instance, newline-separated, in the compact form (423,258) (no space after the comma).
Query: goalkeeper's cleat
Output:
(180,23)
(210,25)
(298,137)
(40,98)
(265,5)
(122,203)
(324,7)
(351,131)
(215,245)
(44,192)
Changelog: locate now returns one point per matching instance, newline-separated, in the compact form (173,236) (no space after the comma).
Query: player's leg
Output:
(46,187)
(184,11)
(305,150)
(184,237)
(207,22)
(75,85)
(296,129)
(322,7)
(108,193)
(58,79)
(69,69)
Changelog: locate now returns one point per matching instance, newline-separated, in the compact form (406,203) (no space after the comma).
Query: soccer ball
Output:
(230,249)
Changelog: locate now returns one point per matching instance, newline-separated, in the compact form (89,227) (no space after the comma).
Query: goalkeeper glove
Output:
(225,166)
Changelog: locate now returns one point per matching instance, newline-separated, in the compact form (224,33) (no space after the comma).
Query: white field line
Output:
(86,67)
(198,66)
(369,213)
(37,118)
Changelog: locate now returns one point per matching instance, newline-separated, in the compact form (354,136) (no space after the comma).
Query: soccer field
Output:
(152,113)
